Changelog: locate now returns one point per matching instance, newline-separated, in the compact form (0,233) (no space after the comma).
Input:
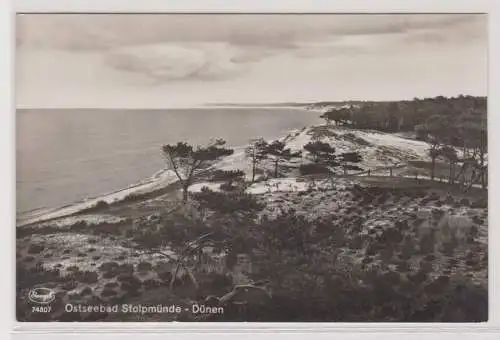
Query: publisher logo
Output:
(41,296)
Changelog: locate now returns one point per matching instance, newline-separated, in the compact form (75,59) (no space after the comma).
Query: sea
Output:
(64,156)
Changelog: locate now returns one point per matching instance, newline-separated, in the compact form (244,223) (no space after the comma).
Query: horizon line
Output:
(213,105)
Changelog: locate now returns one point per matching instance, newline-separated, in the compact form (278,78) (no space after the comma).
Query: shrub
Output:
(129,282)
(111,285)
(126,268)
(403,266)
(353,167)
(107,266)
(86,276)
(144,267)
(166,276)
(427,244)
(480,204)
(109,275)
(391,236)
(151,283)
(35,248)
(73,269)
(108,293)
(86,291)
(101,205)
(227,203)
(312,169)
(449,200)
(356,242)
(78,226)
(227,175)
(69,285)
(465,201)
(109,269)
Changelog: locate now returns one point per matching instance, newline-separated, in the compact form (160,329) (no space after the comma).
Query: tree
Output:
(434,154)
(420,132)
(476,138)
(392,117)
(338,115)
(278,153)
(450,153)
(256,152)
(188,162)
(436,127)
(320,151)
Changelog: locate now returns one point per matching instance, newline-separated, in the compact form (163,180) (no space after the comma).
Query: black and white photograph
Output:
(251,167)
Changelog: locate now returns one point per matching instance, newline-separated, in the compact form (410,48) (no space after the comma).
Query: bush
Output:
(480,204)
(109,269)
(465,201)
(353,167)
(144,267)
(35,248)
(86,291)
(427,244)
(108,293)
(227,203)
(111,285)
(227,175)
(108,266)
(449,200)
(166,276)
(151,283)
(86,276)
(129,282)
(101,205)
(313,169)
(69,285)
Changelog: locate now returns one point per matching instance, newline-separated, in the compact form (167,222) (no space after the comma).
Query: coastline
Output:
(164,181)
(156,185)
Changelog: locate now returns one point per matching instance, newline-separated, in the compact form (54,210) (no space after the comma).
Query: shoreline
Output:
(158,184)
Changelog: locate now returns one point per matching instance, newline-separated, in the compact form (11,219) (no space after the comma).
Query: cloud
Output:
(162,47)
(101,31)
(402,23)
(329,51)
(166,62)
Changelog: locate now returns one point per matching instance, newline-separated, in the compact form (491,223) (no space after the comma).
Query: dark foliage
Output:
(227,203)
(313,169)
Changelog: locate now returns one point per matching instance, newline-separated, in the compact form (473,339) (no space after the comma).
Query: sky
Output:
(181,60)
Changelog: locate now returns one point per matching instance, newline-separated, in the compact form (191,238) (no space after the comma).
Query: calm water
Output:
(67,155)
